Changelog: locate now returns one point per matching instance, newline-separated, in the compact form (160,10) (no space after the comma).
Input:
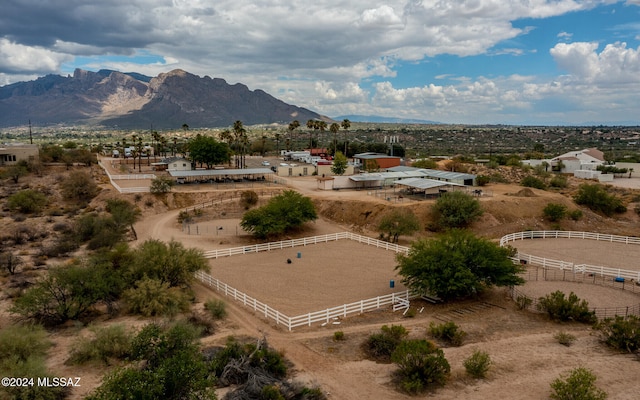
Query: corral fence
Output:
(114,178)
(256,248)
(618,274)
(398,300)
(531,304)
(547,269)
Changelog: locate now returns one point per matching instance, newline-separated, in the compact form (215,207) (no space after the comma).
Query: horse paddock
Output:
(319,276)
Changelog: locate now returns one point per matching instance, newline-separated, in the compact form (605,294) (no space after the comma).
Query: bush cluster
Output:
(598,199)
(621,333)
(561,308)
(448,332)
(380,346)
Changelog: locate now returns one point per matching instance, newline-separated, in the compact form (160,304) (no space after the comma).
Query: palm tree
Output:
(334,128)
(277,137)
(311,126)
(293,125)
(346,124)
(321,125)
(240,140)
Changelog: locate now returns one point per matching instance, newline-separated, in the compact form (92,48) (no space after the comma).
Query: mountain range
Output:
(135,101)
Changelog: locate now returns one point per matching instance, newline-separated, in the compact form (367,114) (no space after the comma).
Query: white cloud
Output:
(615,64)
(21,58)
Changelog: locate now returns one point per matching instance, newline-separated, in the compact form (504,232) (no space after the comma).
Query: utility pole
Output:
(30,136)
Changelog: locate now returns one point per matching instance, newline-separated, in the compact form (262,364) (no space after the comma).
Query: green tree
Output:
(457,264)
(597,199)
(66,293)
(152,297)
(207,150)
(161,184)
(123,215)
(284,212)
(398,223)
(340,163)
(456,210)
(578,385)
(170,263)
(421,365)
(27,201)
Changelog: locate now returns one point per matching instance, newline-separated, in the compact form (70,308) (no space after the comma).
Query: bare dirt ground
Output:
(526,357)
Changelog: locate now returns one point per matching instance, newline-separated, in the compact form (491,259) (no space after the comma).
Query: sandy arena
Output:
(326,275)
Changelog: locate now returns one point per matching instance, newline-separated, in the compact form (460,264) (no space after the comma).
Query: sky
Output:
(523,62)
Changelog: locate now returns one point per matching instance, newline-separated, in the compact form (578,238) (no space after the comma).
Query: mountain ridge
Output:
(132,100)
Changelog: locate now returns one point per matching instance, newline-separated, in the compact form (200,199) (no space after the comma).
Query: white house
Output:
(587,159)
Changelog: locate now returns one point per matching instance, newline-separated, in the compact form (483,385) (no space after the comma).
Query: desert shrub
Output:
(477,365)
(248,199)
(183,216)
(482,180)
(554,212)
(559,181)
(523,302)
(22,354)
(161,184)
(421,365)
(169,366)
(21,342)
(152,297)
(456,210)
(27,201)
(271,392)
(578,385)
(203,322)
(61,227)
(216,308)
(564,338)
(79,186)
(561,308)
(449,332)
(621,333)
(338,336)
(575,214)
(533,182)
(379,346)
(109,342)
(66,293)
(169,263)
(597,199)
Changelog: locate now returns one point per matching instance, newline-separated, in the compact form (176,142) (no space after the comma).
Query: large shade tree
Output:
(206,150)
(456,265)
(282,213)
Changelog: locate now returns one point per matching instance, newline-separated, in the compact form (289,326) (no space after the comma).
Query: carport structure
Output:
(428,187)
(222,175)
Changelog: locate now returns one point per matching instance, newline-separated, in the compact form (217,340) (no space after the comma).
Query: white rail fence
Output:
(399,300)
(304,242)
(616,273)
(113,178)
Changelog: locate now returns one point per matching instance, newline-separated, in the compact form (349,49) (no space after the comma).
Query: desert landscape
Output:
(525,356)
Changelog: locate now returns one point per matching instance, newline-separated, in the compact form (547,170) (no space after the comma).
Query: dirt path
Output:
(526,356)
